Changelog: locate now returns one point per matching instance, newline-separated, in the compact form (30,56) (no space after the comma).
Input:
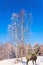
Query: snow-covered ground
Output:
(12,61)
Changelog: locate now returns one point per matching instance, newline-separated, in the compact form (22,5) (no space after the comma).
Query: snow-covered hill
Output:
(12,61)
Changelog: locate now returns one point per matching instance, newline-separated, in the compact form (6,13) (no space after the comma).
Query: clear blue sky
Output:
(7,7)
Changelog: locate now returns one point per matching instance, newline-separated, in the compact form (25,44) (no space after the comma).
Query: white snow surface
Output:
(13,61)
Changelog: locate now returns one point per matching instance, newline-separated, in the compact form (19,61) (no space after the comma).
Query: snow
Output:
(39,60)
(12,61)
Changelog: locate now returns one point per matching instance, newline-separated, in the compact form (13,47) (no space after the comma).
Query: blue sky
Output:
(7,7)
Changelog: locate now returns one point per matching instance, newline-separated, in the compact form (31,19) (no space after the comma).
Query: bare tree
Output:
(19,28)
(28,49)
(36,48)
